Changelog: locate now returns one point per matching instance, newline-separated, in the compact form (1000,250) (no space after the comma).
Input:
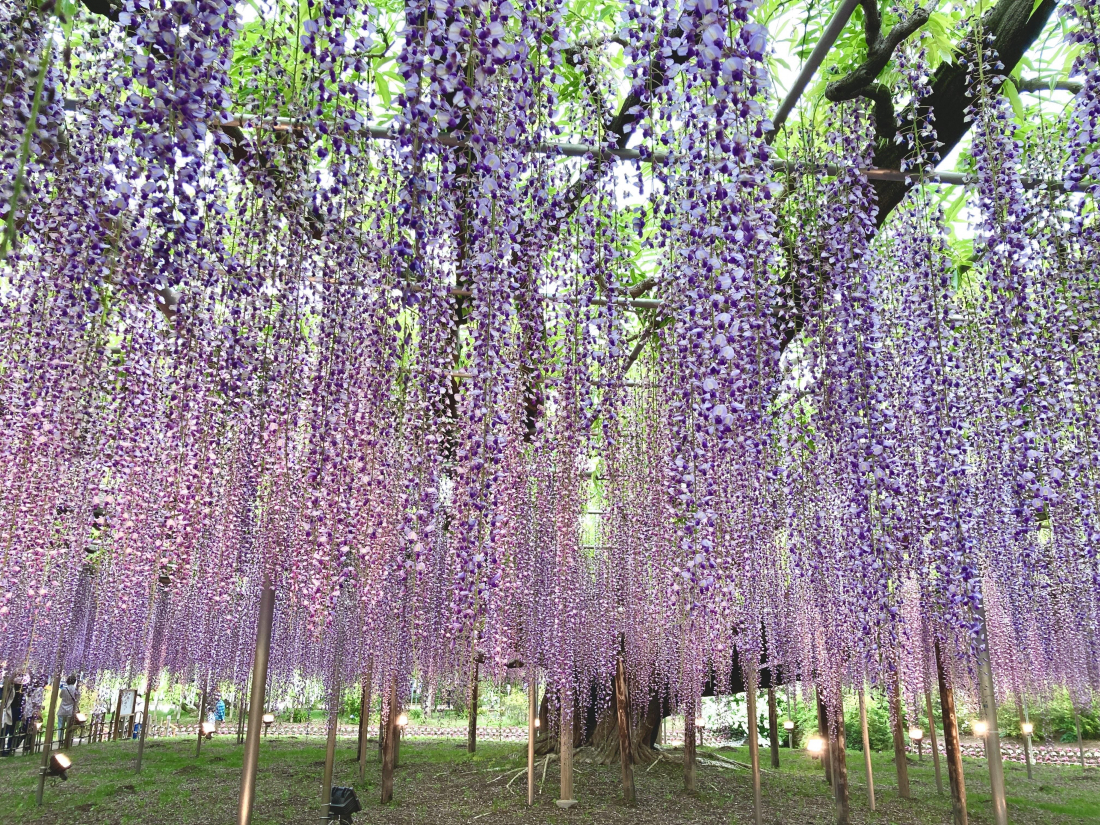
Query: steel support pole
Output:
(773,727)
(330,759)
(256,704)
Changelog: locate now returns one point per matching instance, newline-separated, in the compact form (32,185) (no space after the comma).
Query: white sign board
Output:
(129,700)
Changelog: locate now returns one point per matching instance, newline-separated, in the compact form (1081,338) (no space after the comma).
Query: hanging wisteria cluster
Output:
(251,336)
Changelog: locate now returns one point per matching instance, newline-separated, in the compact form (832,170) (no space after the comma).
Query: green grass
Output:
(440,783)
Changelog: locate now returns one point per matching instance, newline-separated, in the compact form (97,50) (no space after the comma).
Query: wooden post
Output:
(471,731)
(256,703)
(754,746)
(114,724)
(866,749)
(900,762)
(951,743)
(689,748)
(330,756)
(840,767)
(566,754)
(1080,744)
(364,718)
(626,752)
(1022,713)
(773,727)
(532,715)
(935,743)
(202,718)
(388,755)
(823,732)
(993,736)
(48,743)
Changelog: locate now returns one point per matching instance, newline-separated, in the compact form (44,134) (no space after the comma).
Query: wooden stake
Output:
(754,747)
(47,745)
(866,749)
(773,727)
(951,743)
(689,748)
(471,731)
(256,704)
(840,768)
(532,715)
(566,755)
(626,752)
(114,725)
(388,755)
(900,762)
(935,743)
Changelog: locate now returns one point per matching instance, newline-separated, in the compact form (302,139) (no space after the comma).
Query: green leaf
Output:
(1013,96)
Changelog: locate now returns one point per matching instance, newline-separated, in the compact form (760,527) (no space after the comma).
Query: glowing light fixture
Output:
(538,724)
(59,766)
(788,725)
(402,720)
(268,719)
(979,727)
(1027,728)
(916,734)
(208,729)
(80,718)
(815,745)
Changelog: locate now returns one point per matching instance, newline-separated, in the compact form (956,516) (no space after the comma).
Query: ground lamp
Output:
(699,725)
(343,804)
(79,719)
(59,766)
(788,726)
(917,735)
(402,723)
(538,724)
(268,719)
(208,729)
(980,728)
(816,746)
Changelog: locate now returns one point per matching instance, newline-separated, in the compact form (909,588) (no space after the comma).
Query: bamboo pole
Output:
(388,755)
(773,727)
(993,736)
(840,767)
(565,757)
(900,763)
(626,752)
(935,743)
(256,704)
(754,747)
(951,743)
(532,714)
(866,749)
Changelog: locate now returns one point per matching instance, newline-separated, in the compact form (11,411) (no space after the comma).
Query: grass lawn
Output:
(438,782)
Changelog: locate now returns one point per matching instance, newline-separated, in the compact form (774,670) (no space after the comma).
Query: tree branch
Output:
(880,48)
(1037,84)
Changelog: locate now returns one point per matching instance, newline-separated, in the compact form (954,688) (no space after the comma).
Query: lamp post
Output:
(788,726)
(268,720)
(815,745)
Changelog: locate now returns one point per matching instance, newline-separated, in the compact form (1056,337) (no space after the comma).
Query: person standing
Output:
(12,717)
(67,698)
(219,713)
